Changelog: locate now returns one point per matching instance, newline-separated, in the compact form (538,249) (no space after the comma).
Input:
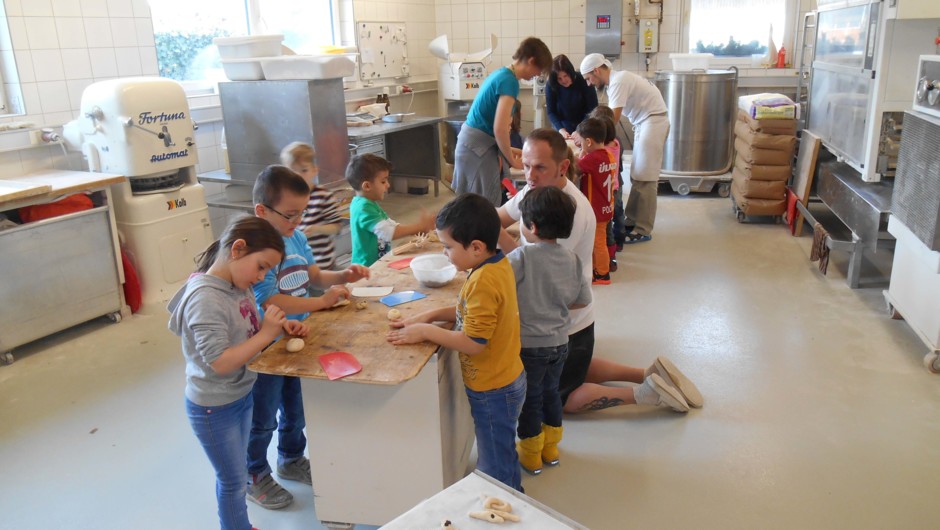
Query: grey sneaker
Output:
(656,391)
(298,470)
(268,494)
(671,374)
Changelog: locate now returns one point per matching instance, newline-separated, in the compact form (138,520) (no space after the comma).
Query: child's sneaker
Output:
(298,470)
(613,265)
(601,279)
(267,493)
(633,237)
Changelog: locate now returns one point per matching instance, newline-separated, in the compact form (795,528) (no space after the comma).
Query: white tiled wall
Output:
(418,16)
(50,50)
(59,47)
(560,24)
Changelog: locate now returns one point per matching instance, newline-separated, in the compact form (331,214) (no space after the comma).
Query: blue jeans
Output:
(223,433)
(495,413)
(273,393)
(542,399)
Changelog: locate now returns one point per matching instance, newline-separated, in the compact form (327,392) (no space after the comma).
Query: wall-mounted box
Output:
(648,35)
(603,27)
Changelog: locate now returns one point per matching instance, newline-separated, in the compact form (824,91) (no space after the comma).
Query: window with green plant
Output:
(735,28)
(184,29)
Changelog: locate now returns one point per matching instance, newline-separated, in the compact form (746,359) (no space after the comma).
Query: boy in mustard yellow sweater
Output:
(486,334)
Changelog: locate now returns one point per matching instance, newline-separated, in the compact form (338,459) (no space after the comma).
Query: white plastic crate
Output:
(243,69)
(684,62)
(250,46)
(308,66)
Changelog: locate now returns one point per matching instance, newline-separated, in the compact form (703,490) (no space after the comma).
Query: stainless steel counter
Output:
(60,271)
(862,207)
(413,146)
(381,127)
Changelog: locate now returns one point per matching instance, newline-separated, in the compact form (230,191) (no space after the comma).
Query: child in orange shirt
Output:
(598,175)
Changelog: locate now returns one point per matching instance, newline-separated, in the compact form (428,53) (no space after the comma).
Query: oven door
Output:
(843,80)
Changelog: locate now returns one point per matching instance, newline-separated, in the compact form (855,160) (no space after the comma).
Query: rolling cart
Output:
(685,184)
(749,211)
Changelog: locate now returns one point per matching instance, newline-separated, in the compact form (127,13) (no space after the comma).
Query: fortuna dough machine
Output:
(142,128)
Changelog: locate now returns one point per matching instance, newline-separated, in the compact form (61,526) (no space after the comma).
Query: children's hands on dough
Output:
(296,328)
(355,273)
(334,294)
(274,319)
(411,334)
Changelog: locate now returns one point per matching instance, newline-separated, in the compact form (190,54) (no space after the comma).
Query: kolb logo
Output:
(175,203)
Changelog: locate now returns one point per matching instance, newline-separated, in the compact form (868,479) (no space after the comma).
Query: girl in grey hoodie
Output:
(215,315)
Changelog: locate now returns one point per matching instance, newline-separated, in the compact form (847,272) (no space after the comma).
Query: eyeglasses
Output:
(290,218)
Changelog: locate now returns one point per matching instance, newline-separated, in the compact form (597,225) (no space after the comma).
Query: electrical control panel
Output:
(538,85)
(648,34)
(927,90)
(603,27)
(461,81)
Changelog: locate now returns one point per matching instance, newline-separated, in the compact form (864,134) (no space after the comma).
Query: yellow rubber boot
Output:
(550,447)
(530,450)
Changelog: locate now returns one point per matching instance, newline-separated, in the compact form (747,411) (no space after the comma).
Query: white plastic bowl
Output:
(433,270)
(684,62)
(250,46)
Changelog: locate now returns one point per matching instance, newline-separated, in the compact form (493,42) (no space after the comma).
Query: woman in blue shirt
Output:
(568,99)
(483,154)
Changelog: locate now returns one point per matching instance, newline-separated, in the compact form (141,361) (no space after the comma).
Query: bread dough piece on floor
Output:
(295,345)
(394,314)
(362,304)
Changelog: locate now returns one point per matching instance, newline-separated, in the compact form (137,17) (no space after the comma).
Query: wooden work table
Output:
(361,332)
(50,185)
(401,435)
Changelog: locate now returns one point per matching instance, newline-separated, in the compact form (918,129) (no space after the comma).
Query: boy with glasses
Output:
(280,197)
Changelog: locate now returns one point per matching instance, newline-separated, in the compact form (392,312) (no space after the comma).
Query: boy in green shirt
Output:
(372,230)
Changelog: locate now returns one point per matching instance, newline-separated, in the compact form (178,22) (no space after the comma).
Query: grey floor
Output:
(818,412)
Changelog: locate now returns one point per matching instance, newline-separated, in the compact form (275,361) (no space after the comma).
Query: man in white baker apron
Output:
(582,388)
(641,102)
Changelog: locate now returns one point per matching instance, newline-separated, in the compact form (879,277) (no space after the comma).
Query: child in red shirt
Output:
(615,228)
(598,176)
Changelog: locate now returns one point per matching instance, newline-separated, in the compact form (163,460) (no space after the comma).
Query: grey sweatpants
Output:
(649,142)
(640,209)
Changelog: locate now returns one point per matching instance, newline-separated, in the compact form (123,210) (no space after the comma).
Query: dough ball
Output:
(295,345)
(362,304)
(394,314)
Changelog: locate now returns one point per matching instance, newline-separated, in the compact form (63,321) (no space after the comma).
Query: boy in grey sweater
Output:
(548,283)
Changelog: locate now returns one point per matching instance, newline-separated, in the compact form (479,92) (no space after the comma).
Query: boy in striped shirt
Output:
(321,220)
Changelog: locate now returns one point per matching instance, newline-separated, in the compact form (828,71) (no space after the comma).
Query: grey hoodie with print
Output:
(210,315)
